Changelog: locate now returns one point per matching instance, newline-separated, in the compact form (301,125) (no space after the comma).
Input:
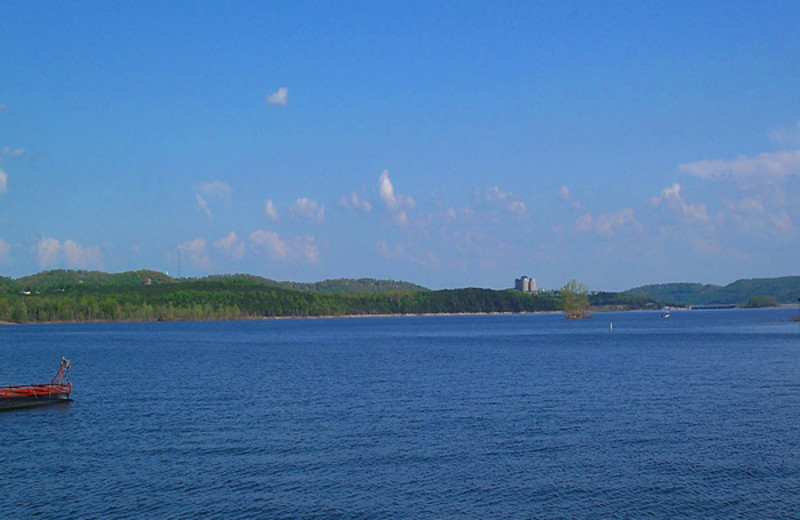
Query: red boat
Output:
(26,396)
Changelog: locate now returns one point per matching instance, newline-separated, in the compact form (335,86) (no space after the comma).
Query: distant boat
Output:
(665,313)
(27,396)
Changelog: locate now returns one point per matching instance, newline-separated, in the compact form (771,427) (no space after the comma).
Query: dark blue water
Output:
(530,416)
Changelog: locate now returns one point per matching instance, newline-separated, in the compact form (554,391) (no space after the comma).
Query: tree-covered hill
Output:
(63,295)
(339,285)
(359,286)
(674,293)
(784,290)
(90,296)
(622,301)
(63,279)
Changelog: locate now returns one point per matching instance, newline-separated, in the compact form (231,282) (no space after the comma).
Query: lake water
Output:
(518,416)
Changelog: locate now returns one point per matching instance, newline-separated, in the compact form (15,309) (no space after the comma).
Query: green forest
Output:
(745,292)
(81,296)
(87,296)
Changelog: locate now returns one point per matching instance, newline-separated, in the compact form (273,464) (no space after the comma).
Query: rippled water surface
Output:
(528,416)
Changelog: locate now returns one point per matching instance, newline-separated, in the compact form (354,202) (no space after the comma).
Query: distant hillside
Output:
(621,301)
(675,293)
(59,279)
(339,285)
(65,279)
(67,295)
(360,286)
(784,290)
(81,297)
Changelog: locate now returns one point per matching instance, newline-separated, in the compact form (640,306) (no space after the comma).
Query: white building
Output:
(526,284)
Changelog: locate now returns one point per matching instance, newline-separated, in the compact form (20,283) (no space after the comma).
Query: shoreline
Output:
(593,312)
(268,318)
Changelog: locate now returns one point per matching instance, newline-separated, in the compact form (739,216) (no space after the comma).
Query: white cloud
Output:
(299,248)
(671,197)
(231,246)
(606,224)
(270,210)
(50,251)
(215,189)
(198,256)
(565,194)
(396,203)
(203,204)
(758,192)
(764,166)
(271,243)
(505,201)
(78,256)
(3,182)
(391,200)
(212,190)
(387,190)
(354,202)
(309,209)
(13,152)
(753,215)
(280,97)
(310,249)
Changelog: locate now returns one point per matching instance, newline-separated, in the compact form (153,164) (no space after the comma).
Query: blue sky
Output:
(450,144)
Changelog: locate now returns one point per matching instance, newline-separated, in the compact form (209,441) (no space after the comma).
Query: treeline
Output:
(782,290)
(57,279)
(85,296)
(239,298)
(622,301)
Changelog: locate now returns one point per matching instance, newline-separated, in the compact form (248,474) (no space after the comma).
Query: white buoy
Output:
(611,326)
